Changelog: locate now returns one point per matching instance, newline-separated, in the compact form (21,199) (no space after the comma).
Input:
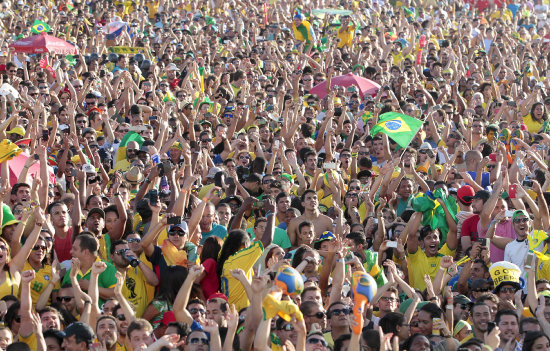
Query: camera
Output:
(134,262)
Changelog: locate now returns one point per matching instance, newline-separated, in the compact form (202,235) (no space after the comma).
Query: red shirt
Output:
(62,246)
(469,228)
(210,283)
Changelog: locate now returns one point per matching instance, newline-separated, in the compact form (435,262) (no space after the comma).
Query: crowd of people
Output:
(195,177)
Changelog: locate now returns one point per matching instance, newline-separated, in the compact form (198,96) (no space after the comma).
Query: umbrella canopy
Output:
(341,12)
(41,43)
(365,86)
(17,163)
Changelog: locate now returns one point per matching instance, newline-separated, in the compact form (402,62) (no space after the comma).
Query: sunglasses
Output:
(464,306)
(121,251)
(319,315)
(521,220)
(338,311)
(388,299)
(177,232)
(313,341)
(197,310)
(196,341)
(508,290)
(39,247)
(267,181)
(134,240)
(64,298)
(491,166)
(121,317)
(482,290)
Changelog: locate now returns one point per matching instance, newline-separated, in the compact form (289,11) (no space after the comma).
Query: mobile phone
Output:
(529,259)
(329,165)
(527,183)
(512,191)
(153,118)
(276,144)
(155,159)
(23,113)
(36,157)
(258,204)
(73,173)
(45,135)
(512,104)
(174,220)
(288,256)
(434,322)
(509,213)
(154,197)
(437,107)
(541,147)
(391,244)
(483,241)
(490,327)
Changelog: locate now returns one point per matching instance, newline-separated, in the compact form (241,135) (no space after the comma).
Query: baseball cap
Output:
(212,172)
(518,213)
(461,299)
(218,295)
(482,194)
(171,67)
(425,146)
(96,210)
(324,237)
(88,168)
(81,330)
(466,194)
(183,226)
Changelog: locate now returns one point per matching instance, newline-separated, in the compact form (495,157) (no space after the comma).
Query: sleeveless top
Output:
(9,286)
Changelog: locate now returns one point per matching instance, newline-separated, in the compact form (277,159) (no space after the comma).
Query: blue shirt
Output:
(485,179)
(218,230)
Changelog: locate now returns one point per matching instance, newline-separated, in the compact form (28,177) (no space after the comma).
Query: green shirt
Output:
(280,237)
(106,279)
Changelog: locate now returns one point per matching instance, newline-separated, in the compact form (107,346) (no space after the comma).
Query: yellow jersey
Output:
(420,264)
(42,278)
(243,259)
(532,125)
(135,289)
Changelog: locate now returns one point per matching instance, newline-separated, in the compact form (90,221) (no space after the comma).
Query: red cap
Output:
(168,317)
(218,295)
(466,194)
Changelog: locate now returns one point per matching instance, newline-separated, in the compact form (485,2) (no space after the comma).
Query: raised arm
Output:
(18,262)
(180,303)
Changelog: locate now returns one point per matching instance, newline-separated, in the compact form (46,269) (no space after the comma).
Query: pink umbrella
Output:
(365,86)
(16,167)
(41,43)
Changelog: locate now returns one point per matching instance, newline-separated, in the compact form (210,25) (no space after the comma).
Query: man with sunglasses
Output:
(138,278)
(339,322)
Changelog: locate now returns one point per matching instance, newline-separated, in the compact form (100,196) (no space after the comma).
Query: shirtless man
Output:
(311,213)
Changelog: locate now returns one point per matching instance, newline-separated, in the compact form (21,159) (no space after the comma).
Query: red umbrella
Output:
(365,86)
(16,167)
(41,43)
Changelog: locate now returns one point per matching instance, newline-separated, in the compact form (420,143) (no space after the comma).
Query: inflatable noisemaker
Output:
(363,288)
(289,280)
(505,136)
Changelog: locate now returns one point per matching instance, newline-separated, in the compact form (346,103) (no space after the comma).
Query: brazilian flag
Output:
(399,127)
(39,27)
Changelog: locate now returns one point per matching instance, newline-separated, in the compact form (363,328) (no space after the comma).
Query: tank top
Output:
(9,286)
(62,246)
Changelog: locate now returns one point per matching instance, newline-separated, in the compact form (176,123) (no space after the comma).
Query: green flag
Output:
(39,27)
(401,128)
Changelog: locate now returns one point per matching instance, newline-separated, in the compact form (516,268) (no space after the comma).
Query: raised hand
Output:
(98,267)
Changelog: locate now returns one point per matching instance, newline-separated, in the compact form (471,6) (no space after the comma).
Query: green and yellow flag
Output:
(399,127)
(39,27)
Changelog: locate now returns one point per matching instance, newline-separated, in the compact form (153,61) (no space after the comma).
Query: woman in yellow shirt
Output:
(536,118)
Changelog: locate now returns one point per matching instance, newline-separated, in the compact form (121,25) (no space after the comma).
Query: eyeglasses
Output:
(267,181)
(464,306)
(388,299)
(338,311)
(313,341)
(521,220)
(516,127)
(508,290)
(131,150)
(319,315)
(177,232)
(352,195)
(197,310)
(196,341)
(121,317)
(206,140)
(491,166)
(77,86)
(244,157)
(12,70)
(64,298)
(39,247)
(134,240)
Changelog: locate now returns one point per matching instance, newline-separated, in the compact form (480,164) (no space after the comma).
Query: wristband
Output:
(116,194)
(268,213)
(354,154)
(185,191)
(449,307)
(339,260)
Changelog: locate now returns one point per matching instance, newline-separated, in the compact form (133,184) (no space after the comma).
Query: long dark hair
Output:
(530,339)
(211,248)
(171,282)
(233,243)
